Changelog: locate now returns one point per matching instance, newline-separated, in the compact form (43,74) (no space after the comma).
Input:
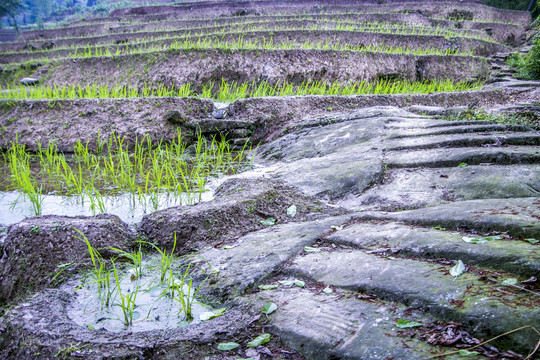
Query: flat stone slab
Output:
(428,286)
(472,156)
(464,140)
(255,257)
(517,217)
(336,174)
(456,129)
(405,189)
(329,326)
(388,238)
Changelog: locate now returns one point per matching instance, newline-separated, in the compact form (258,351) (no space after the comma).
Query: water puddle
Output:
(155,306)
(15,207)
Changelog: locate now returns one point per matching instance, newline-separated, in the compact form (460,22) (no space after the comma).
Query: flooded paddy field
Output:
(272,180)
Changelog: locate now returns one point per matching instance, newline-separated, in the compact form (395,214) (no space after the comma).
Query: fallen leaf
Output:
(311,249)
(328,290)
(268,222)
(404,323)
(269,308)
(468,353)
(291,211)
(228,346)
(268,287)
(458,269)
(259,340)
(510,281)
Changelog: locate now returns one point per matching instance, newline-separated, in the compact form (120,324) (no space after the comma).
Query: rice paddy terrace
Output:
(271,179)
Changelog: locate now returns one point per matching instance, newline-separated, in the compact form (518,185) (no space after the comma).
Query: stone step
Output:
(388,238)
(464,140)
(457,129)
(464,299)
(255,257)
(518,216)
(325,326)
(404,189)
(335,174)
(450,157)
(429,123)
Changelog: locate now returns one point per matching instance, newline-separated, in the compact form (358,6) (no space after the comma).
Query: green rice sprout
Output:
(101,277)
(127,301)
(228,92)
(136,259)
(145,171)
(166,258)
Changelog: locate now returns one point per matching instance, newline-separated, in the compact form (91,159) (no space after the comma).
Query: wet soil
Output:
(361,213)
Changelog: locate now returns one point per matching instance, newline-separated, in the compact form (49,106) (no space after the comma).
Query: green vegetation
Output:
(527,65)
(511,119)
(144,172)
(11,8)
(175,283)
(239,43)
(233,91)
(262,28)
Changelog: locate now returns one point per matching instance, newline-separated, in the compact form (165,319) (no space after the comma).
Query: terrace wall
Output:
(274,66)
(297,38)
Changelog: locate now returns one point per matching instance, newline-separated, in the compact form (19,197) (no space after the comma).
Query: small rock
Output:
(174,117)
(29,81)
(47,45)
(427,110)
(241,141)
(456,111)
(219,114)
(239,133)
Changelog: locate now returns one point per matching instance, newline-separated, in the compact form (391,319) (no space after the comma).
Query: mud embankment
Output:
(118,31)
(199,67)
(262,119)
(299,39)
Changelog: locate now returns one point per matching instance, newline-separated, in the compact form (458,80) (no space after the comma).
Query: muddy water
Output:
(154,307)
(14,206)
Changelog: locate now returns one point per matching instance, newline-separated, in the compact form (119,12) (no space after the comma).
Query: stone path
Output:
(455,179)
(388,202)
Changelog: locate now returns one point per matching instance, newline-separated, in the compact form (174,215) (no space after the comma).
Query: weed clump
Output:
(528,65)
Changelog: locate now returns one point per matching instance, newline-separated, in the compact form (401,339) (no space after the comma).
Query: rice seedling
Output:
(146,171)
(228,92)
(19,166)
(99,273)
(136,259)
(166,259)
(187,292)
(182,289)
(127,301)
